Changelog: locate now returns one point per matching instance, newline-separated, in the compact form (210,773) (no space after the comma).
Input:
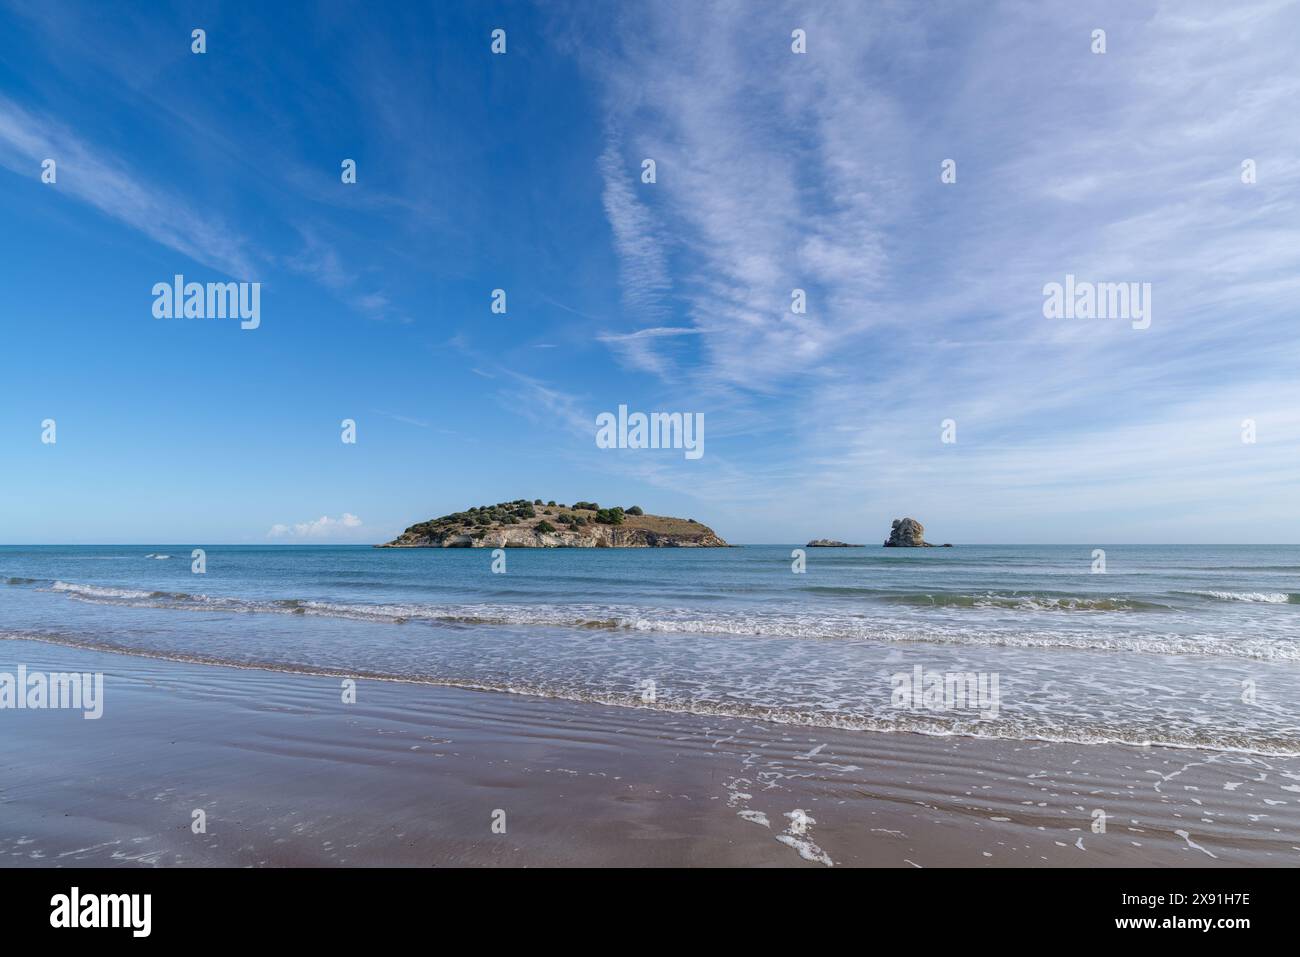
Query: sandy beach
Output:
(416,775)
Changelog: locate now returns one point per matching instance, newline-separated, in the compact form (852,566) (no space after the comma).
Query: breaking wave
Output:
(687,621)
(1027,602)
(1267,597)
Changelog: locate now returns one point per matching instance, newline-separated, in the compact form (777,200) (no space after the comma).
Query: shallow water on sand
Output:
(288,774)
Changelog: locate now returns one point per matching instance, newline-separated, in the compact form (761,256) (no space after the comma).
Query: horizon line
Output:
(542,548)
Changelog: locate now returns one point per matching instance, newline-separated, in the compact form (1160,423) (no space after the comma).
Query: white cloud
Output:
(323,527)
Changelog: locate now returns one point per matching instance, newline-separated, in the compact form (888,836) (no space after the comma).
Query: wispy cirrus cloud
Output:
(639,349)
(770,179)
(820,172)
(92,175)
(643,259)
(404,419)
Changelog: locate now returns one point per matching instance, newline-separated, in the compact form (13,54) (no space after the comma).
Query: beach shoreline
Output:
(285,773)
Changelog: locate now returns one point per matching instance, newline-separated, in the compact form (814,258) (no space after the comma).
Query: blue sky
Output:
(775,171)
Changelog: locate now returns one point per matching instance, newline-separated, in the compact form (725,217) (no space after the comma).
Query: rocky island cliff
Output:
(525,524)
(909,533)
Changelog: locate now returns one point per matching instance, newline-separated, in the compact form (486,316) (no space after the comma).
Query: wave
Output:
(1019,728)
(1027,602)
(97,591)
(690,621)
(1267,597)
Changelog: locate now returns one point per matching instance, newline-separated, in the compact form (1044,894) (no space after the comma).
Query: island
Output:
(829,543)
(525,524)
(909,533)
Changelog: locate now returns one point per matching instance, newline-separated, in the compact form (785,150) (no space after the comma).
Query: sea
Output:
(1158,645)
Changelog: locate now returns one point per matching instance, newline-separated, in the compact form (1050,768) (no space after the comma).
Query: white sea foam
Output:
(686,621)
(97,591)
(1041,727)
(796,836)
(1269,597)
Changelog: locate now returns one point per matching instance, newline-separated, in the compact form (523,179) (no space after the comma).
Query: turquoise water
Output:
(1195,646)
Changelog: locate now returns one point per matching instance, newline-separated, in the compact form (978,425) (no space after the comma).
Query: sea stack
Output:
(907,533)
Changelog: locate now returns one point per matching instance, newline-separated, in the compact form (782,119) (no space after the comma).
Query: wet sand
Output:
(415,775)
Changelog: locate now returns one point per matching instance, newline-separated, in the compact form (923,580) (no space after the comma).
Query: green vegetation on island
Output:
(525,523)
